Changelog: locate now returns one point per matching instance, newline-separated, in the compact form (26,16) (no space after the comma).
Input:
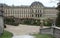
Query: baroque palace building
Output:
(35,11)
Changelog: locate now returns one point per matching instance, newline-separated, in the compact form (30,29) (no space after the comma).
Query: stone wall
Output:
(55,31)
(46,31)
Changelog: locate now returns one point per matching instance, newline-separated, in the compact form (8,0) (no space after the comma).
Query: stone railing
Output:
(55,31)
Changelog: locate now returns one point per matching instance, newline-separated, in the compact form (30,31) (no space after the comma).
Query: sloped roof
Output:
(1,4)
(36,3)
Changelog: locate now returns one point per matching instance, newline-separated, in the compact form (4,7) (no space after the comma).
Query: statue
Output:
(41,25)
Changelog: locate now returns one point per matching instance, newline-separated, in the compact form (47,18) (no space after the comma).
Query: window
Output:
(32,15)
(36,15)
(40,11)
(35,11)
(40,15)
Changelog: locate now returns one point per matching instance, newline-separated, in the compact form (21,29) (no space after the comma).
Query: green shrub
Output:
(48,22)
(58,16)
(10,21)
(31,22)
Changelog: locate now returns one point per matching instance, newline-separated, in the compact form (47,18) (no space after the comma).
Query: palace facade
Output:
(35,11)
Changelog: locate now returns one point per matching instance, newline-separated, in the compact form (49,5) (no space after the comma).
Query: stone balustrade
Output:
(55,31)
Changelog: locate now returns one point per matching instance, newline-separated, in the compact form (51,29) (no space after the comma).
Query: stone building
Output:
(35,11)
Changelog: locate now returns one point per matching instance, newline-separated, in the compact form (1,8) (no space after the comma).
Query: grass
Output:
(43,36)
(6,34)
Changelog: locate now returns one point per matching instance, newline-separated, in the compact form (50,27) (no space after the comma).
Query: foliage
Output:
(32,22)
(58,20)
(48,22)
(10,21)
(6,34)
(58,16)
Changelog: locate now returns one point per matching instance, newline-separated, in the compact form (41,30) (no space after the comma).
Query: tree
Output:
(58,15)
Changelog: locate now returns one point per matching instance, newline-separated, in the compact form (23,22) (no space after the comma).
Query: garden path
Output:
(23,31)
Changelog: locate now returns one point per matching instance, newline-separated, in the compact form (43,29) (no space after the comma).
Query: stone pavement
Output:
(23,31)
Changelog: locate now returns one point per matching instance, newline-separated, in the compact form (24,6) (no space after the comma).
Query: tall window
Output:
(40,15)
(37,11)
(36,15)
(32,15)
(40,11)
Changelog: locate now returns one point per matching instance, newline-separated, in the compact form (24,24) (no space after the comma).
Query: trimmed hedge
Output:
(31,22)
(10,21)
(47,22)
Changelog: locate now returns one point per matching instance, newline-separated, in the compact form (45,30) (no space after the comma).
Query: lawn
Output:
(6,34)
(43,36)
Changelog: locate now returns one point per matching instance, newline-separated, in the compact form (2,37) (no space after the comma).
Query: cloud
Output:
(27,2)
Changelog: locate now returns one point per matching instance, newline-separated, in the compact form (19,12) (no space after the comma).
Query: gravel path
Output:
(23,29)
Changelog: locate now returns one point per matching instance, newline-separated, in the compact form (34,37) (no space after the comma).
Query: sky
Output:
(48,3)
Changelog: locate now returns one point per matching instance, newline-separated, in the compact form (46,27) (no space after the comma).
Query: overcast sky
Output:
(48,3)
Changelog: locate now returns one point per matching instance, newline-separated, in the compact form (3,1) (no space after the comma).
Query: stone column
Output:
(1,19)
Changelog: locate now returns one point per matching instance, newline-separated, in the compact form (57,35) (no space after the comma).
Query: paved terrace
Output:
(23,29)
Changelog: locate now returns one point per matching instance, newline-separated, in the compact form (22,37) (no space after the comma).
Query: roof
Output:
(17,6)
(1,5)
(50,7)
(36,3)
